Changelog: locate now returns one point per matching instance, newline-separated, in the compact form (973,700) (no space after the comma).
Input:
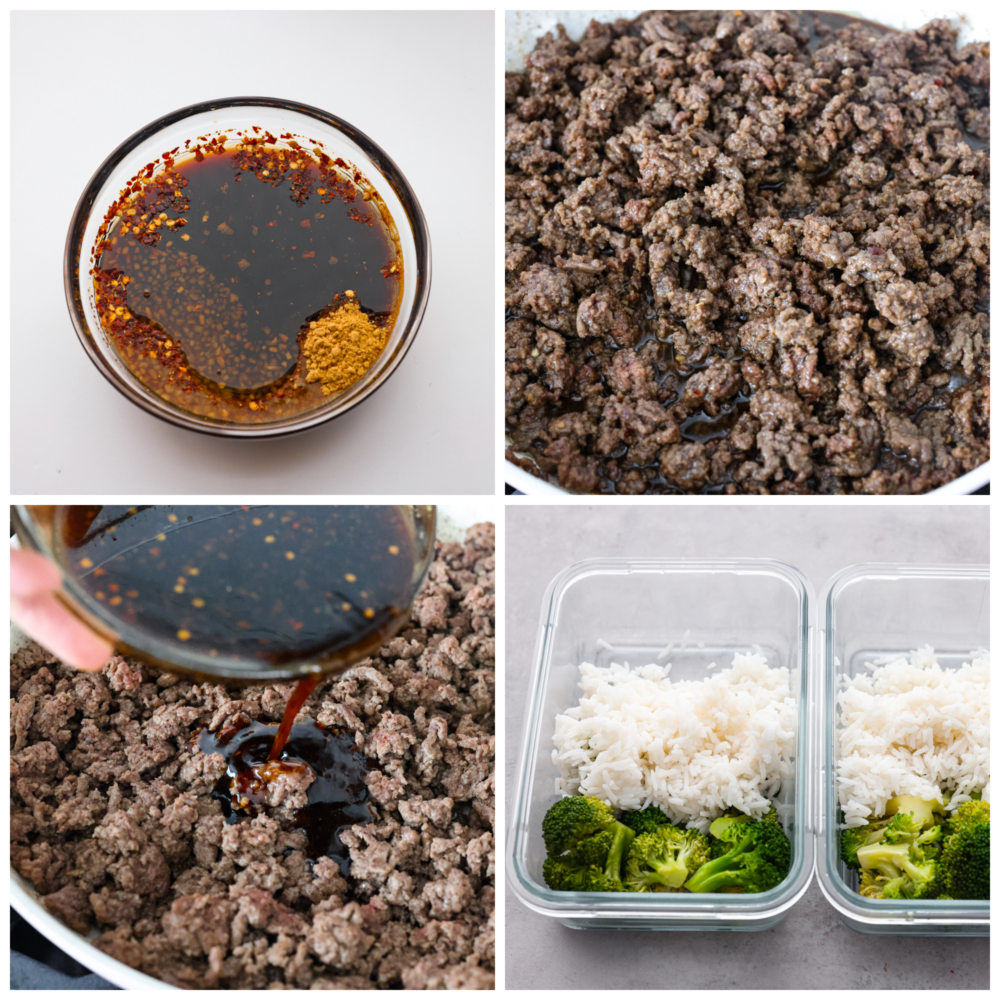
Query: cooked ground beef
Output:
(113,821)
(748,254)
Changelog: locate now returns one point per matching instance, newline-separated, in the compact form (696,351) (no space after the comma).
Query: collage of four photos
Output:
(326,531)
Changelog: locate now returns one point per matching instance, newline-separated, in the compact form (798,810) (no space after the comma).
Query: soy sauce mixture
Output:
(213,268)
(337,797)
(259,586)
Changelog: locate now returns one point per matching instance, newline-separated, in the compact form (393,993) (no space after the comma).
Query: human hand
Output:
(33,606)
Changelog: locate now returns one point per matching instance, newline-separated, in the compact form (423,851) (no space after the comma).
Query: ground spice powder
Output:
(341,347)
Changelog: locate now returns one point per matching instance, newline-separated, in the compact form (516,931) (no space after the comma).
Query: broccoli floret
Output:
(969,814)
(562,873)
(758,858)
(920,880)
(884,859)
(662,860)
(850,841)
(902,828)
(872,885)
(858,836)
(923,811)
(574,819)
(909,871)
(965,862)
(645,820)
(586,845)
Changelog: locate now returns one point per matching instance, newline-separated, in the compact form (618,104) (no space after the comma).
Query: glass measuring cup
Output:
(238,593)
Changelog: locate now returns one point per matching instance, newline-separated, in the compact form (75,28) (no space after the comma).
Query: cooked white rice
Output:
(693,748)
(911,727)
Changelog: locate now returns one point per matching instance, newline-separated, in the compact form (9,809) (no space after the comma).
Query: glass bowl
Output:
(338,138)
(37,528)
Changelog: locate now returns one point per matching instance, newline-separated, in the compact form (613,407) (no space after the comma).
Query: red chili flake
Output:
(311,253)
(272,223)
(876,251)
(305,222)
(296,524)
(940,83)
(155,551)
(296,625)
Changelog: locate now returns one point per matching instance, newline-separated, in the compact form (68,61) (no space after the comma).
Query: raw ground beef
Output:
(112,817)
(748,254)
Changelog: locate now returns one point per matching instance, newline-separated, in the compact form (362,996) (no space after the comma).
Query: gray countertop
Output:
(811,948)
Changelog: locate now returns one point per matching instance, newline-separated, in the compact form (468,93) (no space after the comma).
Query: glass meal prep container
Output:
(869,611)
(636,607)
(628,610)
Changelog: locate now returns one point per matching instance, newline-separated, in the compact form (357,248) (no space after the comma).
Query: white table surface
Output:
(399,77)
(811,948)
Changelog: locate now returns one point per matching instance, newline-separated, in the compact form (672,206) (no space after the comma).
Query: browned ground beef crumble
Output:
(112,819)
(741,261)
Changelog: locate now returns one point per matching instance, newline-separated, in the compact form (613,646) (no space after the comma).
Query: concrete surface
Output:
(811,948)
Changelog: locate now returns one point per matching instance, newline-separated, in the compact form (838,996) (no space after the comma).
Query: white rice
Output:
(912,728)
(693,748)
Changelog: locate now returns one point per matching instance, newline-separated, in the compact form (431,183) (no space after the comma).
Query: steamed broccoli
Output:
(758,857)
(883,858)
(646,820)
(965,860)
(922,810)
(969,814)
(872,884)
(586,845)
(902,828)
(858,836)
(563,873)
(662,860)
(908,871)
(920,879)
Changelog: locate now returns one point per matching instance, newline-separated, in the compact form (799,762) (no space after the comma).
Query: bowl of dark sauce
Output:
(238,593)
(209,243)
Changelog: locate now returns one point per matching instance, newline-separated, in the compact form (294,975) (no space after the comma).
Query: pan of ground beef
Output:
(748,252)
(114,830)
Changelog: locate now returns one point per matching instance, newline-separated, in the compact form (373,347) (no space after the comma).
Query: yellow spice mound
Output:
(341,347)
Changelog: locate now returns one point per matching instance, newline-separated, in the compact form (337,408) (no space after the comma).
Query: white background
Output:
(420,84)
